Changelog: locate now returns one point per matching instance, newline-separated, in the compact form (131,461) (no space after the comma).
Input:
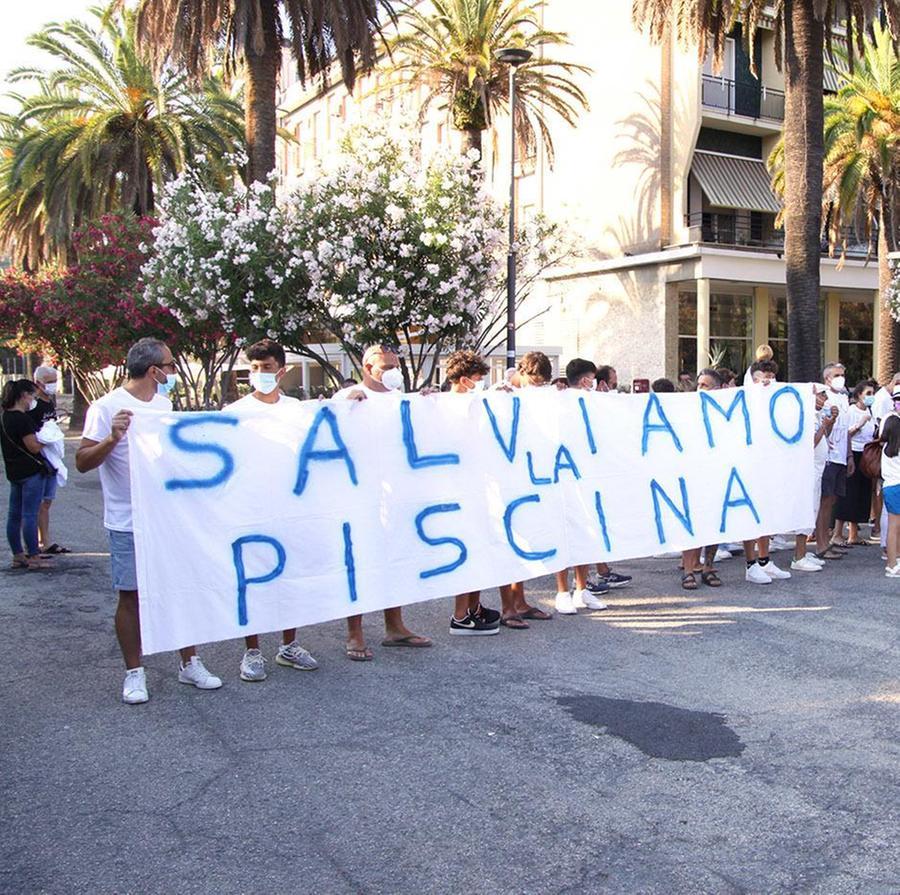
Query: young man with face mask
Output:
(467,373)
(46,379)
(382,381)
(267,366)
(580,374)
(840,459)
(151,376)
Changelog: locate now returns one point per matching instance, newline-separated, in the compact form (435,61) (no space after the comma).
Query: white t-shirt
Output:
(837,440)
(248,404)
(115,477)
(369,392)
(883,403)
(890,469)
(858,440)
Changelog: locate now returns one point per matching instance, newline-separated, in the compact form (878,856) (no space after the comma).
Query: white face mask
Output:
(392,379)
(32,404)
(264,382)
(478,385)
(50,388)
(837,383)
(163,388)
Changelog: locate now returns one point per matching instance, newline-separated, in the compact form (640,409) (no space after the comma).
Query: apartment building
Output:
(665,185)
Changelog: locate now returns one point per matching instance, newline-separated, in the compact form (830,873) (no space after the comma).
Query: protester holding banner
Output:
(760,568)
(466,373)
(840,459)
(151,377)
(26,470)
(802,561)
(382,380)
(707,381)
(533,370)
(267,366)
(580,374)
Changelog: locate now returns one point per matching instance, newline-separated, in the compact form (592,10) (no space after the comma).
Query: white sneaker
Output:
(805,564)
(577,599)
(780,543)
(134,690)
(722,554)
(892,572)
(586,600)
(773,571)
(755,575)
(195,673)
(815,559)
(253,666)
(564,604)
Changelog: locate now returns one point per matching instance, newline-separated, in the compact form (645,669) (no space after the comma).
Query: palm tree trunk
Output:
(804,151)
(471,139)
(262,80)
(888,328)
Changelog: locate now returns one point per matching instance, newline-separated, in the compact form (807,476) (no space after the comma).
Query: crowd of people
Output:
(848,493)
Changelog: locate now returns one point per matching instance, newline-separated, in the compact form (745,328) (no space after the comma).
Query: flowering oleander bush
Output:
(86,315)
(383,249)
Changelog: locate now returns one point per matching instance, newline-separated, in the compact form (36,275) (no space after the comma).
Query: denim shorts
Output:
(121,555)
(891,496)
(50,485)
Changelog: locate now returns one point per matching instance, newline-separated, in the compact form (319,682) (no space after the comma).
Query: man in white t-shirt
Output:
(267,366)
(382,381)
(840,458)
(151,376)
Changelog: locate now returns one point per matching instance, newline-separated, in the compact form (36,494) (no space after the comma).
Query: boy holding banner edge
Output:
(267,366)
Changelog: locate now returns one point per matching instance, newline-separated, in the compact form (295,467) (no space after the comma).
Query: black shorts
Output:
(834,480)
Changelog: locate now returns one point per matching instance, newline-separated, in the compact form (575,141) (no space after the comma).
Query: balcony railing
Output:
(749,100)
(757,230)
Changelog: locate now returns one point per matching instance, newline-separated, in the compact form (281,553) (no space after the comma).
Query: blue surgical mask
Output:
(264,382)
(163,388)
(869,400)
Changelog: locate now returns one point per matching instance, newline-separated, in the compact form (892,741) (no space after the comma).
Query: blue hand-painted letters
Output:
(196,447)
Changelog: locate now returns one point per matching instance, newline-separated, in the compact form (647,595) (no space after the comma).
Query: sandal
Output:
(415,641)
(19,564)
(689,582)
(54,550)
(516,622)
(711,579)
(829,554)
(36,564)
(841,544)
(359,655)
(536,614)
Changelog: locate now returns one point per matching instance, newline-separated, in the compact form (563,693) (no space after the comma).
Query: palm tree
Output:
(452,47)
(101,134)
(861,181)
(192,34)
(803,29)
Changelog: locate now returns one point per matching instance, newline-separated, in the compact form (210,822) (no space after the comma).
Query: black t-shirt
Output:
(19,461)
(44,411)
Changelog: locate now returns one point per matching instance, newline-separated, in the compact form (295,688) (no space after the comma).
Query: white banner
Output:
(304,512)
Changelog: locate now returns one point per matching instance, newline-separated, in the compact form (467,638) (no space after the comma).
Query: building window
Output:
(687,332)
(855,338)
(730,330)
(778,333)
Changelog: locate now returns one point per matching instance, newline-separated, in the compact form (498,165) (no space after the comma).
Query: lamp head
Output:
(514,56)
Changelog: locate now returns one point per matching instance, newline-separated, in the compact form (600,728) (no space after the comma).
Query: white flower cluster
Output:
(378,247)
(892,295)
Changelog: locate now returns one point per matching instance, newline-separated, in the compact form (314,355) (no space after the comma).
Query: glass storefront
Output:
(855,346)
(778,330)
(730,329)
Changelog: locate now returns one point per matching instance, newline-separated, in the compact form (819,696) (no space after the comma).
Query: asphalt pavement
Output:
(723,741)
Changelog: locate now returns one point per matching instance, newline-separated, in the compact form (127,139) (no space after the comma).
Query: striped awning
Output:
(729,181)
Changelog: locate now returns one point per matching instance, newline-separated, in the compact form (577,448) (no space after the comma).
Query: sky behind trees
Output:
(28,16)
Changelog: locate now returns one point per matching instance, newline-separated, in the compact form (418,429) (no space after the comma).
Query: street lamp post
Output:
(513,57)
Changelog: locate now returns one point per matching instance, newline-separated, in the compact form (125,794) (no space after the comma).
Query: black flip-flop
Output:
(359,655)
(514,622)
(414,641)
(55,549)
(711,579)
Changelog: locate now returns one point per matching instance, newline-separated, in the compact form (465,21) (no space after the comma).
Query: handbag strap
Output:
(39,462)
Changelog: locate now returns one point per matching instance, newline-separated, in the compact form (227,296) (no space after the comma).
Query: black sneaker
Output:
(474,625)
(614,579)
(597,586)
(488,616)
